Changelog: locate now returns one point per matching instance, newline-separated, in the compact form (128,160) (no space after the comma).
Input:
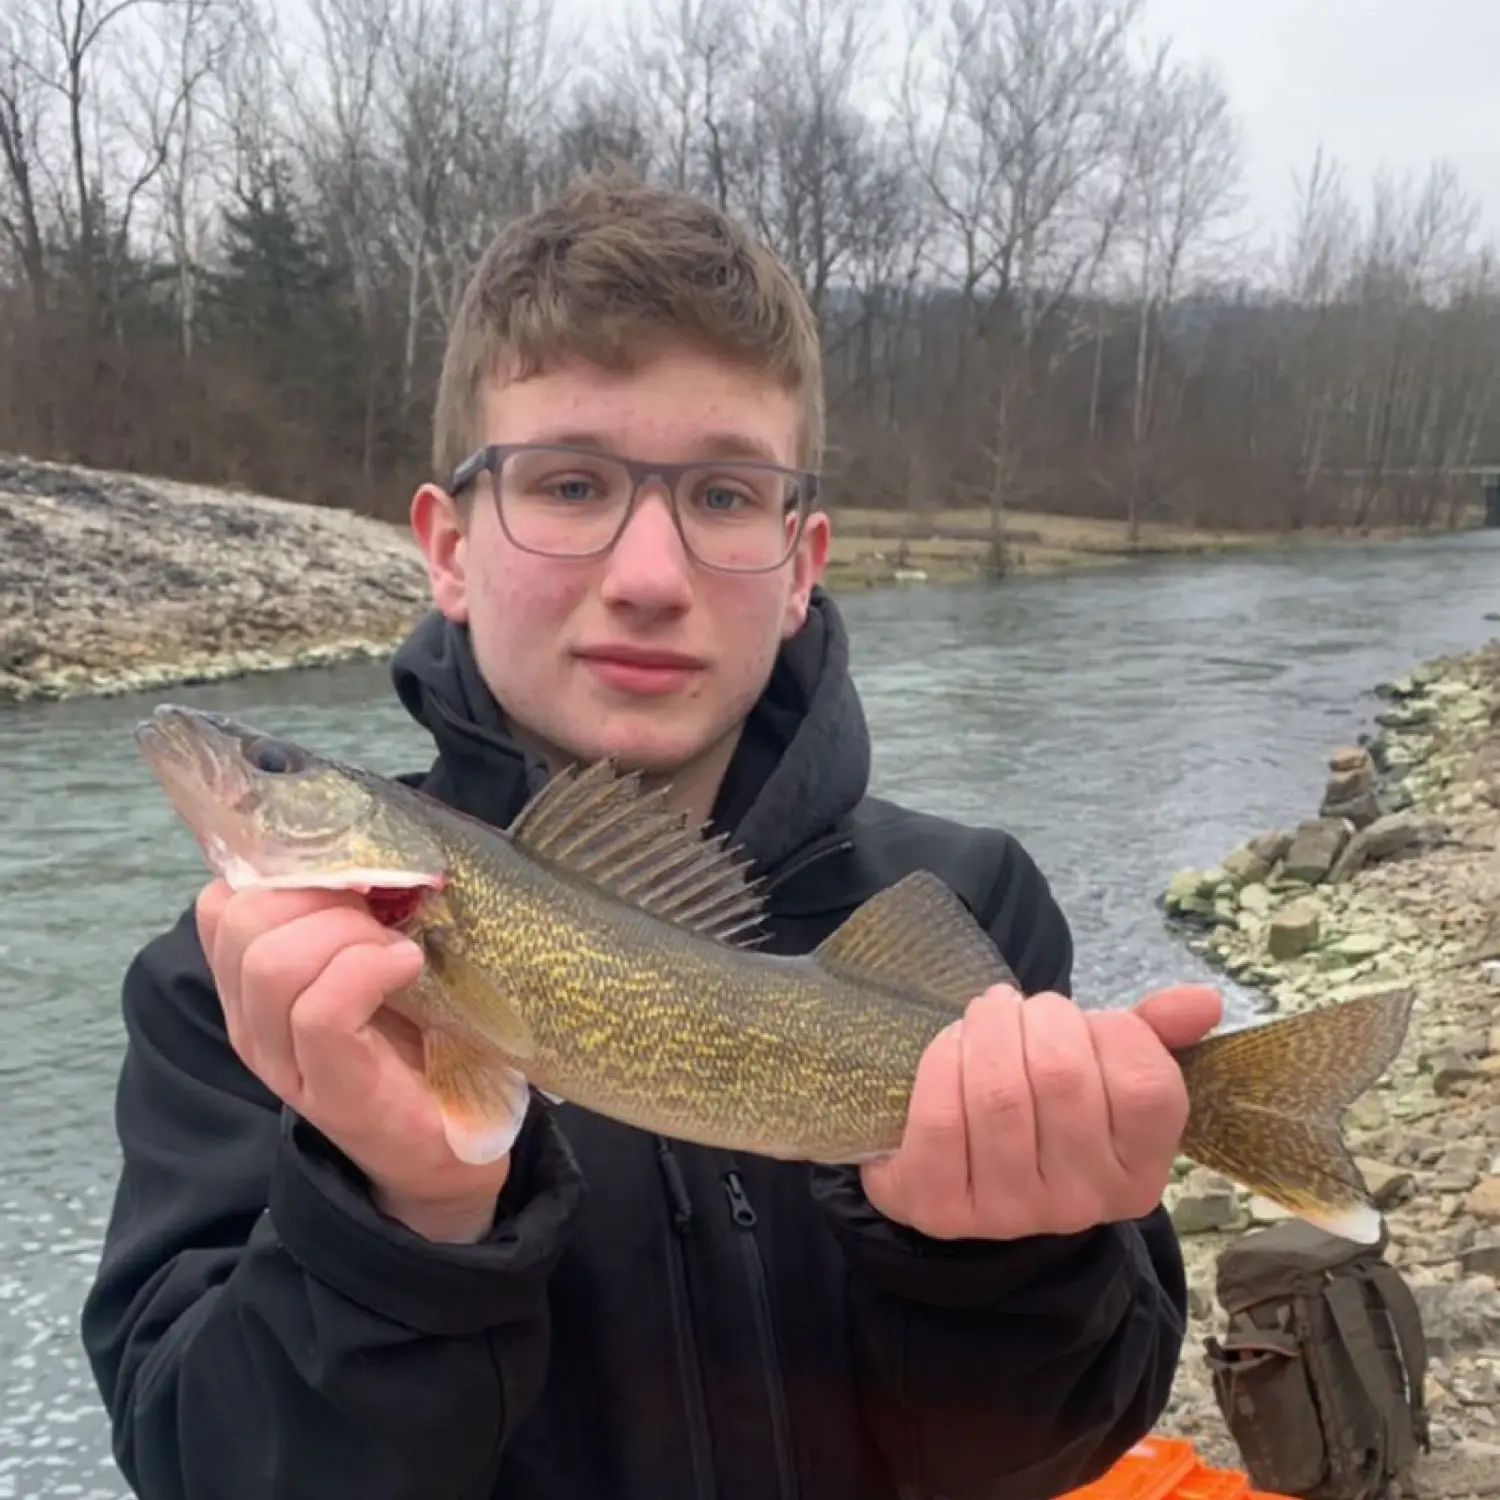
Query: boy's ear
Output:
(437,522)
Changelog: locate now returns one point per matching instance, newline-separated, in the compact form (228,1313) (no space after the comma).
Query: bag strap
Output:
(1351,1320)
(1395,1297)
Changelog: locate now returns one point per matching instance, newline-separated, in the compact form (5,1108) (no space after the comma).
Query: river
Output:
(1123,723)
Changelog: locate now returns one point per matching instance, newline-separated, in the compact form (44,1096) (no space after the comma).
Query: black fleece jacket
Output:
(647,1320)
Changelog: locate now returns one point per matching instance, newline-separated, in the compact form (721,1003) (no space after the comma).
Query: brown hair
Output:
(609,269)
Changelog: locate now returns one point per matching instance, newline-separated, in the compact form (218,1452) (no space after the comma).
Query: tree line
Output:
(232,233)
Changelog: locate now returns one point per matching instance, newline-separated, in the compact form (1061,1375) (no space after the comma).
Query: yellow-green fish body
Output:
(600,951)
(625,1012)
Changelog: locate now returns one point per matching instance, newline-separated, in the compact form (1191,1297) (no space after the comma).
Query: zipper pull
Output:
(741,1210)
(677,1193)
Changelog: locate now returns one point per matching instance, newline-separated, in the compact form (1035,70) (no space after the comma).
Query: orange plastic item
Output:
(1166,1468)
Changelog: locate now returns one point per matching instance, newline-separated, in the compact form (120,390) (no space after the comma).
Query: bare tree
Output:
(22,147)
(1183,170)
(233,234)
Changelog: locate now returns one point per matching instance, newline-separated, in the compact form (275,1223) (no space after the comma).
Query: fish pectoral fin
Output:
(918,933)
(481,1097)
(1266,1101)
(469,991)
(599,826)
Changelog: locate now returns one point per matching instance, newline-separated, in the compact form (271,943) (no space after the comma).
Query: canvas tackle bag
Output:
(1319,1375)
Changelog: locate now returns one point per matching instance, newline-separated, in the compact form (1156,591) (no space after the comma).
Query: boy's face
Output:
(551,634)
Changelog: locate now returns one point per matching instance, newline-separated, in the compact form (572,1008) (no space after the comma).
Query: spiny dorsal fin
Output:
(598,825)
(918,933)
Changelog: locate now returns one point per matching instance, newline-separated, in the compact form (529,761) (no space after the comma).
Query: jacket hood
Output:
(802,764)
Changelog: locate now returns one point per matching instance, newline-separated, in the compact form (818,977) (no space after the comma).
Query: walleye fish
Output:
(603,951)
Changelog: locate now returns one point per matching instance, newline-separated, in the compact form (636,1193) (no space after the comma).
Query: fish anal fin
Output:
(918,934)
(482,1099)
(599,826)
(1266,1102)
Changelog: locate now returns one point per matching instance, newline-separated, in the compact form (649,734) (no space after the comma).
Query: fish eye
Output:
(274,757)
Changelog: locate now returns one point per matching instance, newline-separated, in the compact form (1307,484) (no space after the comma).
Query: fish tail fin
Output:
(1266,1104)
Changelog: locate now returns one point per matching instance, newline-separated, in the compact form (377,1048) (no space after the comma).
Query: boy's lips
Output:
(639,670)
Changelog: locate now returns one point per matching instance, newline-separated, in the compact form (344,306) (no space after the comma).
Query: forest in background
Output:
(232,233)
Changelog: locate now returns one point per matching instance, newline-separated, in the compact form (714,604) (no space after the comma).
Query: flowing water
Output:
(1123,724)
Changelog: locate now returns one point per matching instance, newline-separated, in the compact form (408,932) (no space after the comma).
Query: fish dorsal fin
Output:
(918,933)
(598,825)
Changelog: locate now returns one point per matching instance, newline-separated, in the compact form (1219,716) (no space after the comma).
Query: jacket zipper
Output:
(809,855)
(742,1211)
(700,1447)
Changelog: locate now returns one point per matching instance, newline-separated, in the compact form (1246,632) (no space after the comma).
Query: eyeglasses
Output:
(558,501)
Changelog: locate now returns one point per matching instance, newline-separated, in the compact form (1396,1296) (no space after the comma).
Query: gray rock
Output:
(1361,809)
(1272,846)
(1316,845)
(1458,1316)
(1294,929)
(1482,1259)
(1388,1185)
(1450,1069)
(1245,866)
(1389,835)
(1204,1202)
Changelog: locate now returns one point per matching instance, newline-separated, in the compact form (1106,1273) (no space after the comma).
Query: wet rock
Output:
(1181,887)
(1294,929)
(1316,845)
(1409,716)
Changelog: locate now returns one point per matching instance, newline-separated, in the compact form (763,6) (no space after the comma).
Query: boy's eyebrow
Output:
(710,445)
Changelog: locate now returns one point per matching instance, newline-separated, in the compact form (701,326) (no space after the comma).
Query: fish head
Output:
(268,812)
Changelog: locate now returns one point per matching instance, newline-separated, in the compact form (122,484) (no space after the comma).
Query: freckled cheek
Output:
(747,627)
(529,602)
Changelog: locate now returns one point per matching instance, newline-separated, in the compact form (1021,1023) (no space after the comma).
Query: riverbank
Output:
(875,548)
(118,582)
(1394,880)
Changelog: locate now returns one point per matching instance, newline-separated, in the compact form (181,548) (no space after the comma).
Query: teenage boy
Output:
(303,1293)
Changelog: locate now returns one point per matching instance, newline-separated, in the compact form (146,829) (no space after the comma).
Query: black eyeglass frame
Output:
(491,458)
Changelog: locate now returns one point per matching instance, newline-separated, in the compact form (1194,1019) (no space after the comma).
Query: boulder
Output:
(1315,848)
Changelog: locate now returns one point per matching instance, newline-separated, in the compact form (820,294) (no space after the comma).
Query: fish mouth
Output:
(193,749)
(195,755)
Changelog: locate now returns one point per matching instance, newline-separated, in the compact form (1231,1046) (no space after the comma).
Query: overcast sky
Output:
(1394,82)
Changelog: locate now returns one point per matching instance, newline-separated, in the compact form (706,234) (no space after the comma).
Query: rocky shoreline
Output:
(1395,882)
(116,583)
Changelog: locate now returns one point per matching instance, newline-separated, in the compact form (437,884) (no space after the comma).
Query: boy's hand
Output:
(1035,1117)
(303,976)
